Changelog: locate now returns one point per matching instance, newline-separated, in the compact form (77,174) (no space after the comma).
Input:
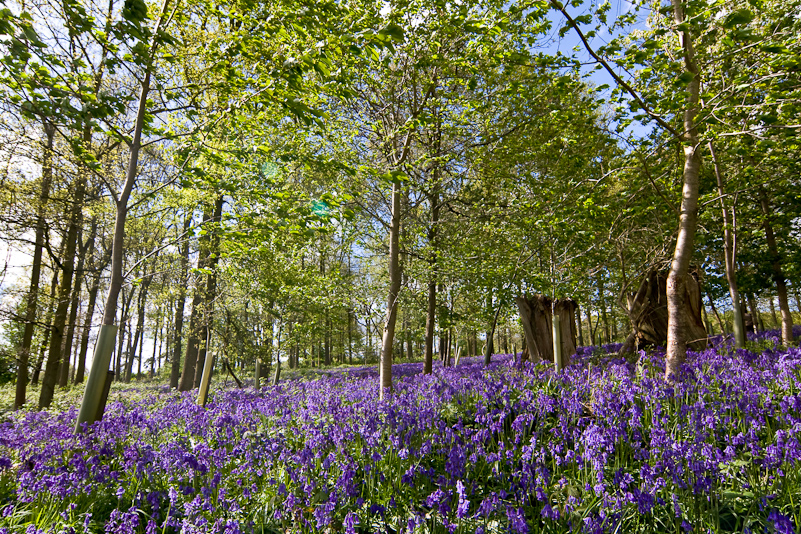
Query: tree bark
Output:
(778,274)
(51,307)
(431,315)
(75,302)
(177,348)
(536,316)
(92,403)
(385,384)
(688,219)
(602,307)
(32,303)
(490,349)
(717,315)
(55,354)
(210,292)
(90,311)
(140,326)
(729,254)
(756,320)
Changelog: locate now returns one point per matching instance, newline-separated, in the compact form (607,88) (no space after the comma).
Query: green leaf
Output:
(683,79)
(392,31)
(738,18)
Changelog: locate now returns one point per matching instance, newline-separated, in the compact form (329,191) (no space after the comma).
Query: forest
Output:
(414,265)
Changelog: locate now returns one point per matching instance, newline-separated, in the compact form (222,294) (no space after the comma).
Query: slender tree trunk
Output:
(177,348)
(431,316)
(211,289)
(156,351)
(87,324)
(125,322)
(688,219)
(80,274)
(91,405)
(350,336)
(590,330)
(755,314)
(55,353)
(490,348)
(385,384)
(729,254)
(602,307)
(51,307)
(192,343)
(140,328)
(717,315)
(778,274)
(32,303)
(580,329)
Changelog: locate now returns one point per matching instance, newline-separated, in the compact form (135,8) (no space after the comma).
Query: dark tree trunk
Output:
(140,328)
(177,348)
(85,250)
(32,302)
(717,315)
(537,320)
(649,312)
(431,311)
(602,307)
(778,274)
(729,254)
(90,311)
(51,306)
(55,354)
(125,320)
(211,290)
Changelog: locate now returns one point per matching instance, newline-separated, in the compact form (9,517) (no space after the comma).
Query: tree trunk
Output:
(92,403)
(650,317)
(83,250)
(778,274)
(729,254)
(90,312)
(385,384)
(177,348)
(602,307)
(125,322)
(51,307)
(431,315)
(536,317)
(32,303)
(211,288)
(140,327)
(490,349)
(717,315)
(156,350)
(688,220)
(55,354)
(590,329)
(755,315)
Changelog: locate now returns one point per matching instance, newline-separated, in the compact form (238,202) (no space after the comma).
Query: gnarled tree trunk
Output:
(537,320)
(649,316)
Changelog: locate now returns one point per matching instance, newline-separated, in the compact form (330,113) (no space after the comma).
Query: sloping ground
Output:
(604,446)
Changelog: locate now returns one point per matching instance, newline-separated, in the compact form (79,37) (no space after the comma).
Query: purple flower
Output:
(464,504)
(517,521)
(782,523)
(351,520)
